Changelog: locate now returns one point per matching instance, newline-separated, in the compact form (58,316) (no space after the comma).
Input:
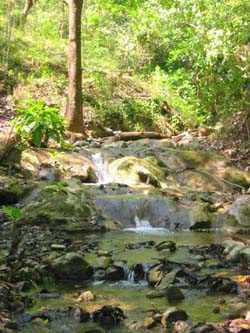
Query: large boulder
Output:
(132,210)
(12,189)
(240,209)
(48,164)
(233,249)
(200,217)
(64,206)
(133,170)
(71,266)
(245,257)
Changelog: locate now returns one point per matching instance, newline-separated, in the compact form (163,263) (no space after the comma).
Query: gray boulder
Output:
(71,266)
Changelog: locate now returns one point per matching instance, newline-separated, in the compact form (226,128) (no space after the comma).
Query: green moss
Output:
(237,176)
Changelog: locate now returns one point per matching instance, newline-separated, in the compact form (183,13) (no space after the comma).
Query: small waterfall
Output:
(136,274)
(144,226)
(102,169)
(131,276)
(142,223)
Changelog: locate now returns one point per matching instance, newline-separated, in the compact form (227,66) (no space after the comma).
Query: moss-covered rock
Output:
(12,189)
(133,170)
(64,206)
(71,266)
(200,217)
(240,210)
(49,164)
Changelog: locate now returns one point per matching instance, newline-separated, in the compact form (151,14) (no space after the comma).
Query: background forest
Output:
(146,64)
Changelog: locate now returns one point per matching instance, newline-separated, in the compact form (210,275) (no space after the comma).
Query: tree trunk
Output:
(74,109)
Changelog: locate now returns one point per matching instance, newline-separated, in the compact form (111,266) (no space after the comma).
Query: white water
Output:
(104,176)
(144,226)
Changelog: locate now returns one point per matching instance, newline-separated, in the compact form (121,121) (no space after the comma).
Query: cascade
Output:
(142,223)
(103,174)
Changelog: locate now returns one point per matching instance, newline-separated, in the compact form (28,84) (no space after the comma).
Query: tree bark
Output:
(27,7)
(74,109)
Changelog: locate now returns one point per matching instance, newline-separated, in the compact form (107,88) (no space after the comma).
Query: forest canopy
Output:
(146,64)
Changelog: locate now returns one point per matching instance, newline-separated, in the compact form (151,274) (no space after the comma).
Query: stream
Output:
(139,232)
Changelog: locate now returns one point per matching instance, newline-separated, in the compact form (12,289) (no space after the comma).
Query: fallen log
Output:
(130,136)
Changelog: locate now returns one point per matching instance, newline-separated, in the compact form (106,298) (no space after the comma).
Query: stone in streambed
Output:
(155,294)
(58,247)
(174,293)
(99,275)
(245,257)
(71,266)
(115,272)
(236,309)
(173,314)
(102,262)
(167,280)
(201,218)
(203,328)
(81,315)
(166,245)
(155,275)
(241,211)
(86,296)
(148,323)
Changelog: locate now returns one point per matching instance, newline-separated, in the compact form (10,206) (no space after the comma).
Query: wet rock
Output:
(102,262)
(204,328)
(245,257)
(65,206)
(173,314)
(45,294)
(200,217)
(71,266)
(166,245)
(138,271)
(102,253)
(236,309)
(81,315)
(12,189)
(232,250)
(241,211)
(155,294)
(220,285)
(130,169)
(148,323)
(168,279)
(155,275)
(58,247)
(86,296)
(115,273)
(42,163)
(99,275)
(174,293)
(108,316)
(180,327)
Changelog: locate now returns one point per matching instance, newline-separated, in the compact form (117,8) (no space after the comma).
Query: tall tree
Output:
(74,108)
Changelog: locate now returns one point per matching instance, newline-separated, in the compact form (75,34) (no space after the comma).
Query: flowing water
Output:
(103,172)
(131,294)
(128,294)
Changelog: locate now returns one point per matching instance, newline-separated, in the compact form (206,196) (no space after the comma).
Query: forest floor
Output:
(233,143)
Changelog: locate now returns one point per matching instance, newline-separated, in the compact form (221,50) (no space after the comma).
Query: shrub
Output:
(38,122)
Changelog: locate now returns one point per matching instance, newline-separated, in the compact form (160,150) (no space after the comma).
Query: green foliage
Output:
(137,55)
(38,122)
(13,213)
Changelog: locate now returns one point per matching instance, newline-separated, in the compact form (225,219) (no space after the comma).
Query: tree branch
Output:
(27,7)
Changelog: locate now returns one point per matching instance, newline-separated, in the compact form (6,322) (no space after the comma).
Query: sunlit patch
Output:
(243,280)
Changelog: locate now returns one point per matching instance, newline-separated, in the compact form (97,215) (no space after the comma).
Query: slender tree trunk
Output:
(74,110)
